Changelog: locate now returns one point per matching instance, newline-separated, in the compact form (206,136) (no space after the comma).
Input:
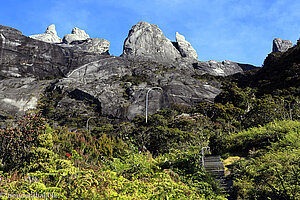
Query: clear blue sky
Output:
(237,30)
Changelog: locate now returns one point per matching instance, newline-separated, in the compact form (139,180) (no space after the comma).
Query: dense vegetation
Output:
(102,164)
(255,124)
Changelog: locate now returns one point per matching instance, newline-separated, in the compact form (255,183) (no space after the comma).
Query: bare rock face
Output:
(78,40)
(218,68)
(77,34)
(18,95)
(118,87)
(146,41)
(91,84)
(21,56)
(50,35)
(280,45)
(185,48)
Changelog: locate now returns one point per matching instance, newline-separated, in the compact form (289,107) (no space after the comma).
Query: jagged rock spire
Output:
(49,36)
(185,48)
(147,41)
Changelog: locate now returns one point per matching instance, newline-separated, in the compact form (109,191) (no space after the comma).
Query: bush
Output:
(280,134)
(20,145)
(273,175)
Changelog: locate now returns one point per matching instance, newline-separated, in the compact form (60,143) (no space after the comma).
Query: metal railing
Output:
(204,151)
(147,96)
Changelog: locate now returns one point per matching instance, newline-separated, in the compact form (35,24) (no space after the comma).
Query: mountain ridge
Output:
(118,84)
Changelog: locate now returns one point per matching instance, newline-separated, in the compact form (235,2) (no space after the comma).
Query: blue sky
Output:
(237,30)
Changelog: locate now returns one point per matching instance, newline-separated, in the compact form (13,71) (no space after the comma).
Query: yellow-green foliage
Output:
(78,165)
(104,144)
(45,139)
(271,176)
(279,133)
(68,182)
(274,166)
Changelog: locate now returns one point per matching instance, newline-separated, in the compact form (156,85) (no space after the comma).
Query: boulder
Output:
(280,45)
(185,48)
(146,41)
(50,35)
(76,35)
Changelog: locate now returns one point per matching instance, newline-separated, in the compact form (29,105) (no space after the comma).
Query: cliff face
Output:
(90,82)
(21,56)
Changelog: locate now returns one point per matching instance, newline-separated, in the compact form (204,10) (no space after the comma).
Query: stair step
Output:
(214,166)
(216,160)
(213,163)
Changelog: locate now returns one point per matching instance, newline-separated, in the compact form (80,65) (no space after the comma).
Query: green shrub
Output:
(20,145)
(280,134)
(273,175)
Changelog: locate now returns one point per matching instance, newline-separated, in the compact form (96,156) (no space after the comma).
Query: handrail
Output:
(147,95)
(204,151)
(87,123)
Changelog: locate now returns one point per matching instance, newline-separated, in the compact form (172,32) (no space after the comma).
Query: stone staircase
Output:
(214,166)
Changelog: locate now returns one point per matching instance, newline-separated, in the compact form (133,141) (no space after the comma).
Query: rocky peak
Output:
(51,30)
(79,40)
(49,36)
(280,45)
(76,35)
(147,41)
(185,48)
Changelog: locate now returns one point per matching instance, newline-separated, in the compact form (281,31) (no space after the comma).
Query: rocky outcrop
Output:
(146,41)
(21,56)
(280,45)
(91,84)
(91,45)
(120,85)
(78,41)
(185,48)
(50,35)
(224,68)
(76,35)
